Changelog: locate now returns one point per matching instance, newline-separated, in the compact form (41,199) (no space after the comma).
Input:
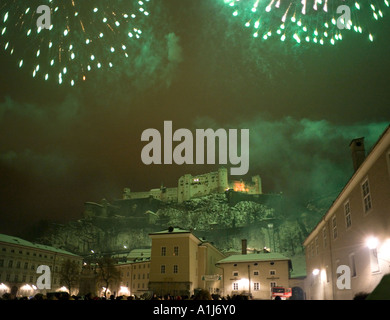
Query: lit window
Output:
(347,211)
(366,196)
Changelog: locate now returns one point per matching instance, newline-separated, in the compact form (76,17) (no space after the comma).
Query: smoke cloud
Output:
(307,160)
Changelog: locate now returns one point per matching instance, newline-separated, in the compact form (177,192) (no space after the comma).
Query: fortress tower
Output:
(189,187)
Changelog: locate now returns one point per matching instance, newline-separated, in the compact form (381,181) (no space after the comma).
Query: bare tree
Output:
(70,274)
(107,273)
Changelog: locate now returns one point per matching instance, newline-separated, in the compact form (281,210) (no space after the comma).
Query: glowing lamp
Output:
(372,243)
(316,272)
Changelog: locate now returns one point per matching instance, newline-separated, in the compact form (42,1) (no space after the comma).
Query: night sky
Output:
(61,146)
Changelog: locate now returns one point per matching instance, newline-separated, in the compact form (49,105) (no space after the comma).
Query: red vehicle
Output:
(283,293)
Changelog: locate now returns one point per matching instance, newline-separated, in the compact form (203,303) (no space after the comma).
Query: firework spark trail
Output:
(84,37)
(311,21)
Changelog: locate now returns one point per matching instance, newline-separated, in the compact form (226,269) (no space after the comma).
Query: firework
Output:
(85,36)
(311,21)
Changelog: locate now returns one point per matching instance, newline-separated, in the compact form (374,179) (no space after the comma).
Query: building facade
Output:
(19,261)
(254,274)
(348,252)
(181,263)
(190,187)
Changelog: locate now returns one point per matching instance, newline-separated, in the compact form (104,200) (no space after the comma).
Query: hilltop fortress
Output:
(190,187)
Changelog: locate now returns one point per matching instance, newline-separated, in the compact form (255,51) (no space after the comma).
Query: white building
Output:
(19,260)
(254,274)
(354,234)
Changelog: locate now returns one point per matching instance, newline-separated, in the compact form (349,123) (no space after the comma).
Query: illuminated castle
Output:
(190,187)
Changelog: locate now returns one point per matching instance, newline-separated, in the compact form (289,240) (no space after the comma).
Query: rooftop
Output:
(254,257)
(21,242)
(171,230)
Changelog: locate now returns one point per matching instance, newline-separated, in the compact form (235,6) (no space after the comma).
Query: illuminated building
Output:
(348,252)
(181,263)
(190,187)
(254,274)
(19,260)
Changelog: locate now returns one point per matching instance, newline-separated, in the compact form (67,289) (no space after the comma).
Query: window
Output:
(366,196)
(272,272)
(374,260)
(235,273)
(352,264)
(324,237)
(175,251)
(162,269)
(273,284)
(10,263)
(235,286)
(334,227)
(256,273)
(312,249)
(175,268)
(163,251)
(347,212)
(25,265)
(256,286)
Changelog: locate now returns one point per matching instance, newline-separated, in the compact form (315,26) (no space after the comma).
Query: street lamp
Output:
(372,243)
(316,272)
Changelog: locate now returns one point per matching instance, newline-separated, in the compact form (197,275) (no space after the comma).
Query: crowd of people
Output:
(199,295)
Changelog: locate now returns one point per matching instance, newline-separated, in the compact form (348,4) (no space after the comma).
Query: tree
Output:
(70,274)
(107,273)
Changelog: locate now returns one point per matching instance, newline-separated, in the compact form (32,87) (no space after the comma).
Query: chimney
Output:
(358,152)
(243,246)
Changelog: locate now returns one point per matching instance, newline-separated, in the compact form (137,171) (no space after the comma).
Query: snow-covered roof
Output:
(172,230)
(21,242)
(254,257)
